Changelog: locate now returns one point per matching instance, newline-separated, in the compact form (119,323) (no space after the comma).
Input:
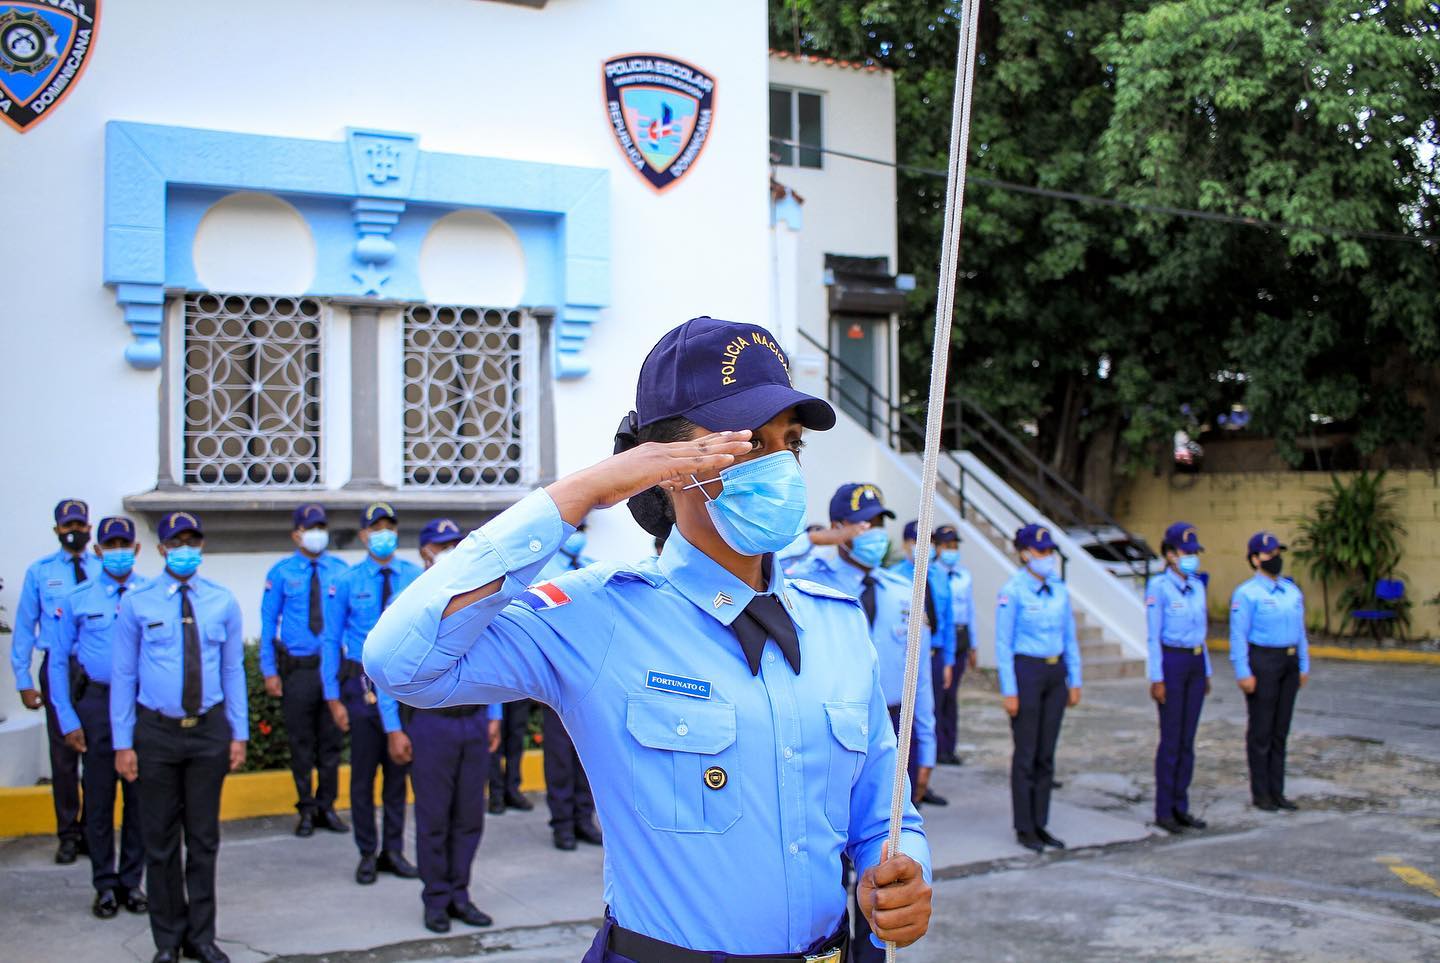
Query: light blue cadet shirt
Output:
(149,655)
(1270,613)
(1034,618)
(47,582)
(727,798)
(960,585)
(286,606)
(350,613)
(943,638)
(1175,617)
(83,632)
(889,635)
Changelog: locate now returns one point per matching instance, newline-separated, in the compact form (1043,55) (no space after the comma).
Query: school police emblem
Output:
(44,45)
(661,112)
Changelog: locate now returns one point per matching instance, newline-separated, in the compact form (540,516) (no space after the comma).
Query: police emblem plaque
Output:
(44,46)
(661,111)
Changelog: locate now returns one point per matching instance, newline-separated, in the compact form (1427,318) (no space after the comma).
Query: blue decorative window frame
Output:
(561,215)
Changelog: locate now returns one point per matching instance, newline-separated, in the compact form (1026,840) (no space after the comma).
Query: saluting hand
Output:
(237,754)
(32,699)
(127,764)
(837,536)
(340,714)
(76,740)
(895,899)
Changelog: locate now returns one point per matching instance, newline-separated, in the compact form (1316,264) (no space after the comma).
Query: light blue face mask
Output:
(949,557)
(1189,564)
(870,547)
(118,561)
(1043,566)
(575,544)
(383,542)
(761,508)
(183,561)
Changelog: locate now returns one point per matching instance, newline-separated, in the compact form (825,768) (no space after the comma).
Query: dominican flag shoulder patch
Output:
(546,595)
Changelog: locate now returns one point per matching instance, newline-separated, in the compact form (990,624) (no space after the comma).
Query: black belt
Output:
(1192,649)
(1042,659)
(1286,650)
(645,949)
(188,722)
(293,662)
(454,712)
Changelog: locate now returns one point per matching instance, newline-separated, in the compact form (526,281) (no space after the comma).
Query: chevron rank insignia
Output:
(722,599)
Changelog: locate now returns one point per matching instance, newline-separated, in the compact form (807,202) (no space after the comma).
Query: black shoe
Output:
(205,953)
(497,804)
(469,914)
(1282,803)
(1172,826)
(436,921)
(948,759)
(933,798)
(518,801)
(306,826)
(329,819)
(1266,805)
(1189,821)
(365,872)
(588,832)
(82,846)
(67,851)
(1030,841)
(1049,840)
(166,955)
(106,906)
(1056,784)
(564,841)
(136,902)
(396,864)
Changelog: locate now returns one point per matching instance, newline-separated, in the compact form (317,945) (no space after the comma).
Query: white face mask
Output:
(314,540)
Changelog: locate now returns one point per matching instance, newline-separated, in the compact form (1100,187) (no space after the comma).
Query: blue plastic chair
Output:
(1389,590)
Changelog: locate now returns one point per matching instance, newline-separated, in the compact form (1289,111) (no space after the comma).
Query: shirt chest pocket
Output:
(158,632)
(684,764)
(297,586)
(214,634)
(849,738)
(95,620)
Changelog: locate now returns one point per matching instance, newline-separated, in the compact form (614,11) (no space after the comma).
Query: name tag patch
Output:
(665,682)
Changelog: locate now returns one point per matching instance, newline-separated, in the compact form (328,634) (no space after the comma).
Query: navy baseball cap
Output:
(177,522)
(945,533)
(375,512)
(440,530)
(1182,536)
(117,526)
(71,510)
(723,376)
(856,502)
(1035,536)
(1262,542)
(912,530)
(309,515)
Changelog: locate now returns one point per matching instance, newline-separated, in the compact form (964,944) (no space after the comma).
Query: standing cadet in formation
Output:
(372,718)
(452,748)
(954,582)
(294,604)
(1271,655)
(730,776)
(1179,666)
(47,582)
(1038,660)
(567,790)
(80,687)
(180,722)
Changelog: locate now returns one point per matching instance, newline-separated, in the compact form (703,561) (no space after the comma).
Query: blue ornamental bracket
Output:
(384,167)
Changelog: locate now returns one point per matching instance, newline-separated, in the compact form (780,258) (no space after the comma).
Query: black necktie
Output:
(867,597)
(317,610)
(1045,589)
(80,575)
(385,574)
(574,561)
(120,595)
(930,615)
(190,693)
(765,618)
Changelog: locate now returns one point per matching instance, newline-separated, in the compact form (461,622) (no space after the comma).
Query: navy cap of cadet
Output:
(1035,536)
(376,511)
(176,522)
(1182,536)
(309,515)
(723,376)
(116,526)
(1262,542)
(945,533)
(440,530)
(912,530)
(71,510)
(856,502)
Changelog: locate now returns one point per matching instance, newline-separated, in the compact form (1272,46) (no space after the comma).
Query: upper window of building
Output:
(795,116)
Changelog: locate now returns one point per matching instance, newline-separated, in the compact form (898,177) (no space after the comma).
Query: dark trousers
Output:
(505,764)
(947,699)
(449,772)
(369,751)
(1179,718)
(100,779)
(600,951)
(181,772)
(315,740)
(912,764)
(567,789)
(64,768)
(862,949)
(1035,729)
(1270,707)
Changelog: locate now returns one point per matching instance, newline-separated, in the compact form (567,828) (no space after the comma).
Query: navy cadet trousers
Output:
(369,751)
(1041,685)
(567,790)
(947,698)
(505,764)
(100,779)
(64,768)
(315,740)
(1270,706)
(1179,718)
(449,771)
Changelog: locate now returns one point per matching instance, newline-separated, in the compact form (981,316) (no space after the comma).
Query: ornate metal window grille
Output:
(465,407)
(251,391)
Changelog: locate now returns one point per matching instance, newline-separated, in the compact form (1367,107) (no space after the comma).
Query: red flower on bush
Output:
(265,729)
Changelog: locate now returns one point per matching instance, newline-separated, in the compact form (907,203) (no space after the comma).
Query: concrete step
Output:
(1113,667)
(1089,633)
(1100,650)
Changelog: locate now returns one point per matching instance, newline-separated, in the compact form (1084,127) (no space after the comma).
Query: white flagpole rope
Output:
(940,353)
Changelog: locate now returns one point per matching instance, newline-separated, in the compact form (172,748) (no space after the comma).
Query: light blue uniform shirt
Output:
(149,656)
(961,586)
(1268,612)
(47,582)
(83,631)
(1176,616)
(1032,621)
(655,690)
(943,638)
(350,613)
(560,563)
(889,634)
(286,606)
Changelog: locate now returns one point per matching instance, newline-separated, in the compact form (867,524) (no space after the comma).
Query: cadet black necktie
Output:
(765,618)
(930,614)
(385,574)
(80,575)
(190,693)
(867,597)
(317,609)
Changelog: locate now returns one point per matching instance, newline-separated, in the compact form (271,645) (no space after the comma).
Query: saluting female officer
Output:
(731,720)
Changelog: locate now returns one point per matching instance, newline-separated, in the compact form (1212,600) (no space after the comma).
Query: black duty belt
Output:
(645,949)
(454,712)
(1192,649)
(1043,659)
(1273,649)
(293,662)
(187,722)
